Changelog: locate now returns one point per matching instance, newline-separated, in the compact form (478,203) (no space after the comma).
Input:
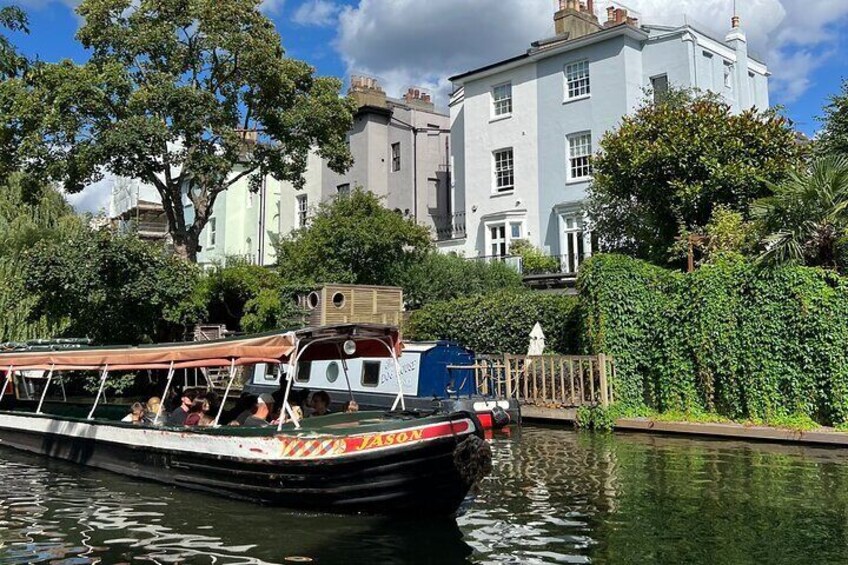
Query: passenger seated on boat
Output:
(195,411)
(320,403)
(136,415)
(351,406)
(151,409)
(180,413)
(242,410)
(210,409)
(261,410)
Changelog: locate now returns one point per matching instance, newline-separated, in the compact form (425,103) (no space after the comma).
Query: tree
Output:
(354,240)
(249,297)
(186,95)
(668,165)
(807,216)
(113,289)
(833,139)
(12,63)
(24,225)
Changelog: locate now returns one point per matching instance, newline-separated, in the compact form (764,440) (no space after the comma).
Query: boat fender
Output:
(473,459)
(500,417)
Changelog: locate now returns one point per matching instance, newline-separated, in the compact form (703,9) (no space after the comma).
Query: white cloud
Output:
(407,42)
(272,6)
(316,13)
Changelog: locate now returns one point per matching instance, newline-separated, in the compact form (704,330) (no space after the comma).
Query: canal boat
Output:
(437,375)
(384,462)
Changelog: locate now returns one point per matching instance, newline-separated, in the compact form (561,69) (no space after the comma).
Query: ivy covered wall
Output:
(731,338)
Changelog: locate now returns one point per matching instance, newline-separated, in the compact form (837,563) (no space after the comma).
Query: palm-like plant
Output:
(807,215)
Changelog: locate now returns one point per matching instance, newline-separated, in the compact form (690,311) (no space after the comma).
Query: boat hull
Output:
(421,475)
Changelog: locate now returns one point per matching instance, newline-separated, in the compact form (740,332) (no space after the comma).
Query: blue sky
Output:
(422,42)
(409,42)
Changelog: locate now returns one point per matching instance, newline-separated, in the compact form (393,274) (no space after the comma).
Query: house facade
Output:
(524,129)
(401,152)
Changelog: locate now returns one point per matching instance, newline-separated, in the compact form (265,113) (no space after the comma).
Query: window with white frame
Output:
(577,80)
(504,170)
(502,100)
(395,157)
(728,75)
(501,235)
(212,237)
(579,156)
(343,190)
(302,210)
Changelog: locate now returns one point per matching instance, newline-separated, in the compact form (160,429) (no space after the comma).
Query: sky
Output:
(421,43)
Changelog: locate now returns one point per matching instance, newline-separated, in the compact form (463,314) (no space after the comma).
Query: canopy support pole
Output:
(399,399)
(290,377)
(6,383)
(99,392)
(226,392)
(164,395)
(347,376)
(44,392)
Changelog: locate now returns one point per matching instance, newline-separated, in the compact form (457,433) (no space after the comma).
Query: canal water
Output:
(555,497)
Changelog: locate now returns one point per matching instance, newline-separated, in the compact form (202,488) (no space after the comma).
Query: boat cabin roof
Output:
(315,343)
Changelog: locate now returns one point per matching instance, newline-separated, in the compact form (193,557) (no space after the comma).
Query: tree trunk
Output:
(186,245)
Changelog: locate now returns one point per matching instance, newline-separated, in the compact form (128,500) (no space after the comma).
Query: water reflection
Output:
(555,497)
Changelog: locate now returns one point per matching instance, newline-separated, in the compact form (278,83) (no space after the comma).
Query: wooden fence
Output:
(548,380)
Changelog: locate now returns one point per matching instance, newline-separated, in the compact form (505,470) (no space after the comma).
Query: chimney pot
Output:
(610,14)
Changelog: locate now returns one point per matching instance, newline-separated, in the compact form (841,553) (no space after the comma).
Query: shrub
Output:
(247,297)
(441,277)
(114,289)
(533,261)
(500,322)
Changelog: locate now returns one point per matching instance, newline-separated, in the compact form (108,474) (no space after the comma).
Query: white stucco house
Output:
(523,130)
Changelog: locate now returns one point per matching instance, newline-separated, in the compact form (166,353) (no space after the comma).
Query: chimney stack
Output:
(366,91)
(576,18)
(418,98)
(619,16)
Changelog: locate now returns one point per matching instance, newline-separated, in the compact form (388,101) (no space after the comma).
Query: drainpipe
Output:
(415,174)
(261,239)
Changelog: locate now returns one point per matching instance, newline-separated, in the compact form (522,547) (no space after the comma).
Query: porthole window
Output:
(313,300)
(338,300)
(332,372)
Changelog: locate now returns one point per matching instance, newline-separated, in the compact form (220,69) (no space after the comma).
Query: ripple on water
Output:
(554,497)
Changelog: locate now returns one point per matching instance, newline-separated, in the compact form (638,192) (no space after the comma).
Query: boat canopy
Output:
(371,340)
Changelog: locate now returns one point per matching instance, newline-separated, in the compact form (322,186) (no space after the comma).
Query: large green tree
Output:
(177,94)
(23,225)
(355,240)
(670,163)
(833,139)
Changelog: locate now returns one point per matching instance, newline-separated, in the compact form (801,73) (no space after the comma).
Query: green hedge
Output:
(499,322)
(731,338)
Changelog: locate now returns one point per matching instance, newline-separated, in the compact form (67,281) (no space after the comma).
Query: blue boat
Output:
(435,376)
